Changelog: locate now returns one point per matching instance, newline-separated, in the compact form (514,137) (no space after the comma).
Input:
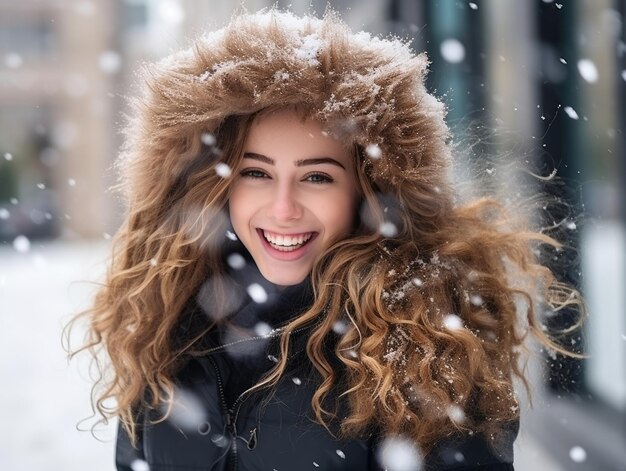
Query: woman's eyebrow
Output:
(319,160)
(262,158)
(298,163)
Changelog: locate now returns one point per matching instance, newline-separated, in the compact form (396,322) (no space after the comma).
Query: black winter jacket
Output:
(214,426)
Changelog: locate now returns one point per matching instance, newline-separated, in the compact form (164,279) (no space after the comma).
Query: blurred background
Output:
(539,81)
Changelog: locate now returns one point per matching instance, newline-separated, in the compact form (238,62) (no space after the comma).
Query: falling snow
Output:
(476,300)
(220,440)
(231,235)
(223,170)
(571,112)
(340,327)
(64,135)
(452,322)
(139,465)
(175,14)
(21,244)
(588,70)
(578,454)
(236,261)
(296,381)
(397,454)
(452,51)
(341,454)
(373,151)
(110,62)
(388,229)
(208,139)
(232,300)
(262,329)
(257,293)
(456,414)
(13,60)
(171,12)
(187,410)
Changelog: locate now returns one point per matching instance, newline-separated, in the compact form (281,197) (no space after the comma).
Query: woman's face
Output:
(293,195)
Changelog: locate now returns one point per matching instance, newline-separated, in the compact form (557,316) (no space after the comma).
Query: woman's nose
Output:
(285,205)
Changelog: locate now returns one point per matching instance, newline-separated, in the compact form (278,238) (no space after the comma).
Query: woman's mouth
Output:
(287,242)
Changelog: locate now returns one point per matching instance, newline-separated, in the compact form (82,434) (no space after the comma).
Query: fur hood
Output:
(367,87)
(401,286)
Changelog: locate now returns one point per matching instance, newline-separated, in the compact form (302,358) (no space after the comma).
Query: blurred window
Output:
(33,37)
(135,14)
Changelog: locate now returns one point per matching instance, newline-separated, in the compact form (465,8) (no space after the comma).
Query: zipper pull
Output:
(252,441)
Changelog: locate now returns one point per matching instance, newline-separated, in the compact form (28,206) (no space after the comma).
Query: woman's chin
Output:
(282,278)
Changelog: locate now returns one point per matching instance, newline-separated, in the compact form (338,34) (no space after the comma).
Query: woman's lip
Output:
(286,256)
(293,234)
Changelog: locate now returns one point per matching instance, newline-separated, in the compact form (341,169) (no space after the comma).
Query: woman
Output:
(293,286)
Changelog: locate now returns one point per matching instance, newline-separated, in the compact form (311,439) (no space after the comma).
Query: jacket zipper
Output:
(231,415)
(228,419)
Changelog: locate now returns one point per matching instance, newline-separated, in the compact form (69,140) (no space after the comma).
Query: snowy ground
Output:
(43,399)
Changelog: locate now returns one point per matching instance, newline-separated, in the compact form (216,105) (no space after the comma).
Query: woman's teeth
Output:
(287,243)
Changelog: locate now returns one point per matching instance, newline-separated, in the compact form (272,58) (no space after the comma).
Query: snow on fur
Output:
(371,86)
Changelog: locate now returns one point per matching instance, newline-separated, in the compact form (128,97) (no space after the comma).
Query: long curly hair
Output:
(436,297)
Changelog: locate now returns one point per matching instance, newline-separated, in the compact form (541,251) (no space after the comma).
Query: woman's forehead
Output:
(287,133)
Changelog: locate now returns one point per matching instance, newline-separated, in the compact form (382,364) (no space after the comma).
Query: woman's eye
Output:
(252,173)
(319,178)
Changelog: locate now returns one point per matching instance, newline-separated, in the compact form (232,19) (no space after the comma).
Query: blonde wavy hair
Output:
(438,298)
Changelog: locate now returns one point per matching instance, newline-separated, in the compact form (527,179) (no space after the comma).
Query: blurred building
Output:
(59,70)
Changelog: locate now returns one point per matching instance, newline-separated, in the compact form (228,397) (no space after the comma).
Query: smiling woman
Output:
(294,286)
(295,193)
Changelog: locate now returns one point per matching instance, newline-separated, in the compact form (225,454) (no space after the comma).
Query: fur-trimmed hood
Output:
(395,287)
(369,87)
